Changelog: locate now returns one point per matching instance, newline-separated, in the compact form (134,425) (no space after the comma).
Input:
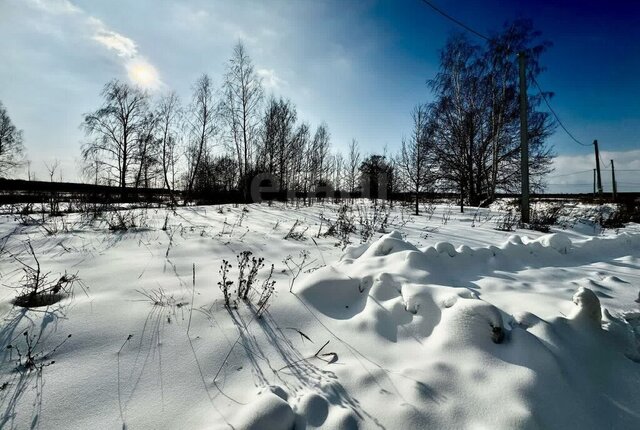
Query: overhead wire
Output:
(460,23)
(542,94)
(546,101)
(569,174)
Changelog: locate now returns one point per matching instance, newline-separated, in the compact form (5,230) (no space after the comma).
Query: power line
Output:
(602,165)
(555,114)
(460,23)
(569,174)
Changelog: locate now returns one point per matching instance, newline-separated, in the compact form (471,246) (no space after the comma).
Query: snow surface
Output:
(440,322)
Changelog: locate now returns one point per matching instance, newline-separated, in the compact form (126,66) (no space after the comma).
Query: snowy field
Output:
(438,322)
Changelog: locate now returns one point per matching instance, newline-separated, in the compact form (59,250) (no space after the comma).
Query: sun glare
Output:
(143,74)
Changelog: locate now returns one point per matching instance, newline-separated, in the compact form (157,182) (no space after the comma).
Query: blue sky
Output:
(358,65)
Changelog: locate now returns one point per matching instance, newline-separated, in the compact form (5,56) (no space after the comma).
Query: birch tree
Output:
(240,108)
(115,129)
(11,147)
(203,128)
(414,155)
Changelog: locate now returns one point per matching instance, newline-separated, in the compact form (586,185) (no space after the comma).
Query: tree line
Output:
(219,141)
(466,140)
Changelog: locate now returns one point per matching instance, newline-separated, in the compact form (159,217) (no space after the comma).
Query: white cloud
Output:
(270,79)
(574,173)
(139,70)
(56,6)
(123,46)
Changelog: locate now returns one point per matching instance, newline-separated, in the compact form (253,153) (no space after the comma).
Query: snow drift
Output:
(457,360)
(443,326)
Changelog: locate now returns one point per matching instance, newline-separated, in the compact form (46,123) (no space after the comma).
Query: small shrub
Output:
(122,221)
(372,221)
(428,209)
(446,215)
(36,287)
(248,268)
(296,267)
(30,357)
(266,291)
(296,235)
(247,271)
(225,284)
(343,226)
(507,221)
(542,218)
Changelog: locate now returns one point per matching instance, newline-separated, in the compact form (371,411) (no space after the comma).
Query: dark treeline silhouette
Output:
(467,139)
(11,148)
(231,138)
(218,142)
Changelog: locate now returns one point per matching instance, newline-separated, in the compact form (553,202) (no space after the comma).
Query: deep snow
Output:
(440,322)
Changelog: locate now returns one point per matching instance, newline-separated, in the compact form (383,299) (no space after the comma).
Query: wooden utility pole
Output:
(613,181)
(524,145)
(599,178)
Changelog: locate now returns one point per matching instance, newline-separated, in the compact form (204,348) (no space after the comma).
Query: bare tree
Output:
(169,115)
(11,148)
(278,136)
(300,177)
(353,165)
(53,196)
(269,149)
(148,148)
(287,116)
(414,155)
(240,108)
(376,176)
(318,155)
(51,168)
(202,127)
(31,176)
(115,130)
(338,170)
(476,114)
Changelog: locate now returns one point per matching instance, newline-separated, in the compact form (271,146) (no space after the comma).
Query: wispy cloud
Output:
(575,173)
(56,6)
(122,45)
(270,80)
(139,70)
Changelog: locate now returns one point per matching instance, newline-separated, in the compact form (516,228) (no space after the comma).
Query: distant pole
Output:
(613,181)
(594,182)
(524,145)
(599,178)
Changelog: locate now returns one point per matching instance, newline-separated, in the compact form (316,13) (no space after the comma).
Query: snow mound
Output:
(267,411)
(388,244)
(446,248)
(459,355)
(587,309)
(558,241)
(334,293)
